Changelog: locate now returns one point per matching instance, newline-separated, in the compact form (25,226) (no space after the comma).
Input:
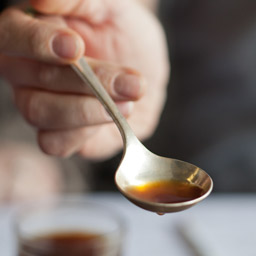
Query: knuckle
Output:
(89,151)
(6,16)
(34,43)
(86,116)
(47,74)
(85,151)
(7,12)
(38,39)
(46,145)
(105,75)
(52,146)
(93,114)
(31,109)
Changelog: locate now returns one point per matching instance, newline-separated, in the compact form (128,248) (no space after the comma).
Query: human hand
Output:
(116,35)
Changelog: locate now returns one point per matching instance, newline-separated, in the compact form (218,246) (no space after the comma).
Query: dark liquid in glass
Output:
(64,244)
(166,192)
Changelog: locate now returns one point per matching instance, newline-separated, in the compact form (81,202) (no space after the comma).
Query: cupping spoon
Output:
(151,182)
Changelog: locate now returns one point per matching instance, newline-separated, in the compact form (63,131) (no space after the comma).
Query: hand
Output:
(114,35)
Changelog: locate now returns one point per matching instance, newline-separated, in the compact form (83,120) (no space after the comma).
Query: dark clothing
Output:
(210,116)
(2,5)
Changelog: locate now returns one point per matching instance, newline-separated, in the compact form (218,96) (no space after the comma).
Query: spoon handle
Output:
(85,72)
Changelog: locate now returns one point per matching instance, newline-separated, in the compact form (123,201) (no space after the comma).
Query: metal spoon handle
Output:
(85,72)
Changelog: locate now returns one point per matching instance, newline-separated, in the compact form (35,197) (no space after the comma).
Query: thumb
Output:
(25,36)
(95,11)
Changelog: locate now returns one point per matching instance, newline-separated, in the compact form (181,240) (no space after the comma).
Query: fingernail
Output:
(124,107)
(128,86)
(65,46)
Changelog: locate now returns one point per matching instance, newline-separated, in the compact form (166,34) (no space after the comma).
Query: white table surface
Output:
(221,225)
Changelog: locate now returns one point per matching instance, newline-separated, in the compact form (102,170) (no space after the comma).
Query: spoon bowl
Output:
(139,166)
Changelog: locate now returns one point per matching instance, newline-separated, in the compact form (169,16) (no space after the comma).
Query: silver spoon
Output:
(139,166)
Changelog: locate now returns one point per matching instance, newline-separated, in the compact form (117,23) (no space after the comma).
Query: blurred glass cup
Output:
(72,226)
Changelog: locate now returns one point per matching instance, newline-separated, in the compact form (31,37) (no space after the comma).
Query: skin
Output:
(122,41)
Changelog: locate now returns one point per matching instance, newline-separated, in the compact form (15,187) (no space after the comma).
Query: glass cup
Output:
(70,226)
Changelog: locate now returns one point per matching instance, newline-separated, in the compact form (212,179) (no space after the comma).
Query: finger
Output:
(50,111)
(64,143)
(26,36)
(121,83)
(91,142)
(96,11)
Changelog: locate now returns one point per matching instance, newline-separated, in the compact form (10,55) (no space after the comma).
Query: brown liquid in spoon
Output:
(166,192)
